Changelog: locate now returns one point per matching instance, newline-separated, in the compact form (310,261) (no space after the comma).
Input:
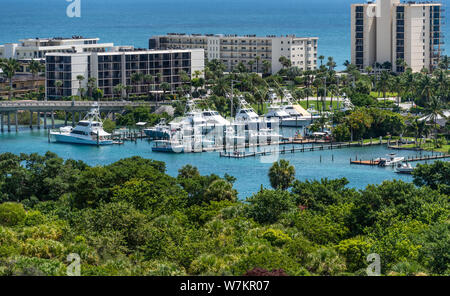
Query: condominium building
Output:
(113,68)
(390,30)
(29,49)
(250,50)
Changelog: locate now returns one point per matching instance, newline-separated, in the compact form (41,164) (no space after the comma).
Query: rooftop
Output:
(58,39)
(233,36)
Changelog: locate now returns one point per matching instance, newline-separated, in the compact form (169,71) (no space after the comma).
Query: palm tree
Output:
(165,86)
(92,83)
(257,59)
(80,79)
(334,90)
(308,92)
(118,89)
(418,128)
(136,78)
(159,78)
(285,62)
(250,65)
(148,79)
(435,109)
(266,67)
(221,87)
(369,69)
(383,84)
(321,58)
(408,81)
(10,67)
(36,67)
(58,85)
(128,89)
(331,64)
(281,175)
(444,64)
(426,88)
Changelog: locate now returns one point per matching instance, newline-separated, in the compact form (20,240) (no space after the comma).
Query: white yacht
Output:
(277,112)
(192,115)
(245,113)
(159,131)
(404,168)
(289,109)
(88,131)
(390,160)
(214,118)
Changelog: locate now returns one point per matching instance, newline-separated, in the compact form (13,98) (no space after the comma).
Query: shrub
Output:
(276,237)
(11,213)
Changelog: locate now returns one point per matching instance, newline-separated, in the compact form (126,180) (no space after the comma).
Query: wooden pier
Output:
(407,159)
(237,154)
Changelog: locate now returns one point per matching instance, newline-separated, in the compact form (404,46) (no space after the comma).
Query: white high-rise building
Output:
(390,30)
(251,50)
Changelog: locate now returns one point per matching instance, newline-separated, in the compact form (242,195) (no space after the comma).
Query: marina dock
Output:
(407,159)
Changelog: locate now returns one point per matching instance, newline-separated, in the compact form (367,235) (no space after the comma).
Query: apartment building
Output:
(250,50)
(113,68)
(29,49)
(390,30)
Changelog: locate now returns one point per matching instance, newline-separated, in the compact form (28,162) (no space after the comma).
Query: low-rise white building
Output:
(250,50)
(29,49)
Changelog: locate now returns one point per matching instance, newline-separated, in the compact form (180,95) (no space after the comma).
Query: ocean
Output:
(132,22)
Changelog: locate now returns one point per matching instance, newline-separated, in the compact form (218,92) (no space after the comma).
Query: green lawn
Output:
(312,103)
(377,95)
(319,104)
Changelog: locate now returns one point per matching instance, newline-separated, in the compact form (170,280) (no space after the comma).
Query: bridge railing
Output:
(17,104)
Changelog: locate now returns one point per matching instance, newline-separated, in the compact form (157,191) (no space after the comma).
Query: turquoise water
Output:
(250,172)
(134,21)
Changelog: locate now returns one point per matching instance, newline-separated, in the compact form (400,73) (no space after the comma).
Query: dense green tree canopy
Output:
(131,218)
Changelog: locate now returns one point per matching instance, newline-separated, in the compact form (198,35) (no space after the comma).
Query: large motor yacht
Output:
(192,117)
(214,118)
(245,113)
(88,131)
(159,131)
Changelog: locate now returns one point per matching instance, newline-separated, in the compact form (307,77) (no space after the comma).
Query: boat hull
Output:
(154,134)
(74,140)
(295,122)
(167,150)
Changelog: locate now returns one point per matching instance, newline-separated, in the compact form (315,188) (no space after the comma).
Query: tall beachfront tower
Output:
(251,50)
(390,31)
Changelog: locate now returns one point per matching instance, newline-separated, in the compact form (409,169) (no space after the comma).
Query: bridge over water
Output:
(10,109)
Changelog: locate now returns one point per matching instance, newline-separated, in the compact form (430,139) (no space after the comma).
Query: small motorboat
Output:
(390,160)
(404,168)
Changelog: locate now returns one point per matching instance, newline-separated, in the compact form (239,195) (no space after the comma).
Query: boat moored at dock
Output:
(88,131)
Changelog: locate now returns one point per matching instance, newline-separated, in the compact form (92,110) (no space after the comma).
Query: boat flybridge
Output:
(214,118)
(159,131)
(277,112)
(286,113)
(245,113)
(404,168)
(192,116)
(88,131)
